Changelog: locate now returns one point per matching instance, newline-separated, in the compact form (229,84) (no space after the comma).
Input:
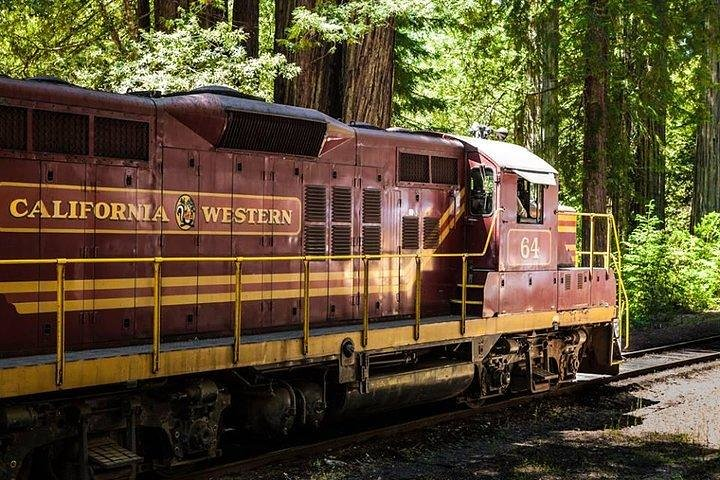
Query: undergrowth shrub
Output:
(668,271)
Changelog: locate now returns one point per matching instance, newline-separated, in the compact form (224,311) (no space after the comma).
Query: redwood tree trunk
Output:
(168,10)
(143,14)
(246,15)
(368,77)
(318,83)
(706,189)
(595,159)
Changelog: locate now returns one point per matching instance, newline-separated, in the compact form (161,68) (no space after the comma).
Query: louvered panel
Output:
(13,128)
(314,239)
(118,138)
(580,279)
(414,168)
(371,205)
(269,133)
(371,239)
(568,281)
(315,203)
(60,132)
(342,204)
(341,240)
(431,232)
(444,170)
(410,233)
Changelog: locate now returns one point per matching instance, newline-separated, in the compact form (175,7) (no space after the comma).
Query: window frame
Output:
(540,195)
(484,169)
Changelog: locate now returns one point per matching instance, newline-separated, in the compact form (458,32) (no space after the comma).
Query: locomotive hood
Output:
(512,157)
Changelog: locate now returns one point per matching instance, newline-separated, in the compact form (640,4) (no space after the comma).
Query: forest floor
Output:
(660,426)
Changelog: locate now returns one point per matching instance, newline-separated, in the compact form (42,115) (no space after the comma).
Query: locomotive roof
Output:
(513,157)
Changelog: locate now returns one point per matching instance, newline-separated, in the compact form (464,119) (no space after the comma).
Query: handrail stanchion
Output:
(237,325)
(366,301)
(60,325)
(463,311)
(418,275)
(306,306)
(607,242)
(157,295)
(592,241)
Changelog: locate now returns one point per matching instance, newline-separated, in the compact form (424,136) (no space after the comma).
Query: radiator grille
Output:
(342,204)
(414,168)
(121,138)
(371,206)
(315,201)
(580,278)
(444,170)
(568,281)
(410,233)
(314,239)
(13,128)
(371,239)
(59,132)
(268,133)
(341,240)
(431,232)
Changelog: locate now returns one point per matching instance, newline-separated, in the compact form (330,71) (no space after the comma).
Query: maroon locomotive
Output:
(274,267)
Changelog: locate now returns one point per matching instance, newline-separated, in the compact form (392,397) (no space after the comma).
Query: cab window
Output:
(529,202)
(482,186)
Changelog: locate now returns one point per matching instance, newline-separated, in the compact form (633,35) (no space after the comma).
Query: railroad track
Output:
(638,363)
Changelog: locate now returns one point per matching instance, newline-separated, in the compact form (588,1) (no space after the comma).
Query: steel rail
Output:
(287,454)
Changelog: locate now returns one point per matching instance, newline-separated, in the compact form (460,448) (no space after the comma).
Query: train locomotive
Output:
(177,269)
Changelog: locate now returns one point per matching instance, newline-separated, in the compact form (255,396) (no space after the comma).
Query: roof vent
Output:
(368,126)
(223,90)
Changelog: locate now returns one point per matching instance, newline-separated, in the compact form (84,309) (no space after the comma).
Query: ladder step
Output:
(470,285)
(109,454)
(467,302)
(544,375)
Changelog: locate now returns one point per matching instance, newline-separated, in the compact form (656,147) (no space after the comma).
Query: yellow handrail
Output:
(609,257)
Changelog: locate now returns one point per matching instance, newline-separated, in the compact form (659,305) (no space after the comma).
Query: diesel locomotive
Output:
(180,269)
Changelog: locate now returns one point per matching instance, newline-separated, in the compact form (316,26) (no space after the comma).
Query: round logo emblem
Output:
(185,212)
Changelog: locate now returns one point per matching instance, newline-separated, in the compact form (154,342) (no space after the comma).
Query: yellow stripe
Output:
(564,229)
(570,247)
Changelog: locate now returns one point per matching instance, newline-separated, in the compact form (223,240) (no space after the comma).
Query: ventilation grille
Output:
(444,170)
(267,133)
(371,206)
(568,280)
(414,168)
(121,138)
(580,279)
(314,240)
(371,239)
(13,128)
(59,132)
(410,233)
(341,240)
(315,201)
(431,232)
(342,204)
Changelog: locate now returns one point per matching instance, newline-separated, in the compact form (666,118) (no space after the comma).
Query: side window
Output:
(529,202)
(482,187)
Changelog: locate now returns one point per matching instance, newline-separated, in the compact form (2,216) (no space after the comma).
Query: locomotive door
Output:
(391,241)
(66,182)
(248,187)
(341,276)
(315,234)
(368,206)
(215,221)
(180,239)
(284,235)
(113,307)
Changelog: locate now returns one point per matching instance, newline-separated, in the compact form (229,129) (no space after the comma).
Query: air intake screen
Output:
(444,170)
(414,168)
(267,133)
(315,203)
(315,239)
(371,239)
(410,233)
(431,232)
(59,132)
(341,240)
(121,138)
(342,204)
(13,128)
(371,206)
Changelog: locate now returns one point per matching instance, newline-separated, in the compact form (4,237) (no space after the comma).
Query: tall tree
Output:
(246,15)
(595,95)
(706,191)
(143,14)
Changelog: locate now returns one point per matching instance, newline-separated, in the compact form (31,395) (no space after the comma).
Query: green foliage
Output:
(189,56)
(668,270)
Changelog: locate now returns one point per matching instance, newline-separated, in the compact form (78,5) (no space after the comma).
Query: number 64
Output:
(527,247)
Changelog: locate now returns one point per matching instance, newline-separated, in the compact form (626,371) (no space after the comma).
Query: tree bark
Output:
(143,14)
(706,191)
(211,14)
(246,15)
(368,75)
(595,146)
(318,83)
(167,10)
